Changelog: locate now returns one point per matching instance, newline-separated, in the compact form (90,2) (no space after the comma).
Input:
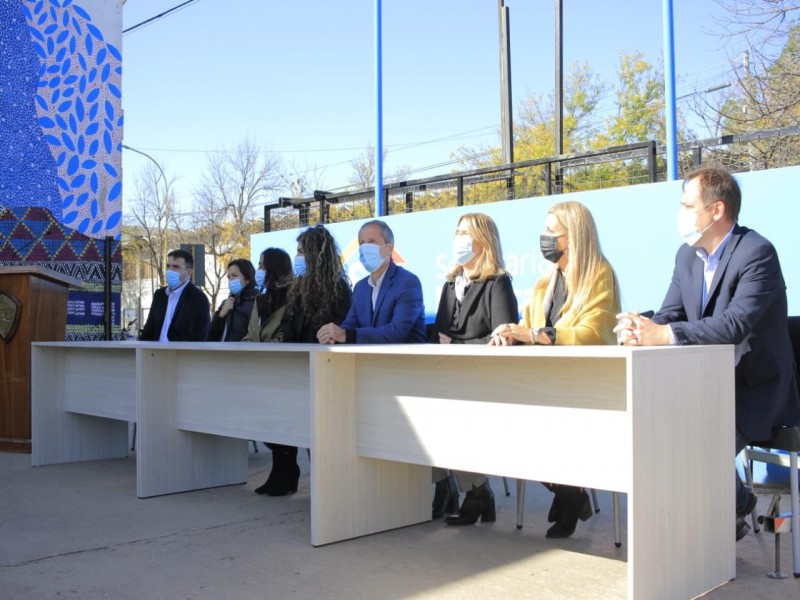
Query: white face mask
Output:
(687,225)
(462,249)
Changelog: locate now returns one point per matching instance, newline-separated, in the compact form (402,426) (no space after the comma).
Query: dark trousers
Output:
(742,493)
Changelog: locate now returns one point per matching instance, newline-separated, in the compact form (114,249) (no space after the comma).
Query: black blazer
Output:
(486,305)
(746,307)
(237,319)
(295,327)
(190,321)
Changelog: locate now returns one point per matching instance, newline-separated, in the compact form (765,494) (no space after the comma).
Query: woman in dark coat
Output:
(229,322)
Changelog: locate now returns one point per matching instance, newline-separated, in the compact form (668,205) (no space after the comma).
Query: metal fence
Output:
(610,167)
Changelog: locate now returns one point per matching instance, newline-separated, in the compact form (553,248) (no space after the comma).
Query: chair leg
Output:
(595,503)
(133,441)
(520,502)
(505,486)
(617,524)
(748,477)
(794,495)
(255,446)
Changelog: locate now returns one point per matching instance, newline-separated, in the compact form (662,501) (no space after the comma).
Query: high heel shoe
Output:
(478,502)
(445,497)
(571,507)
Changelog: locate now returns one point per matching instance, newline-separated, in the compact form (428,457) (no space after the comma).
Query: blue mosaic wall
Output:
(60,148)
(65,81)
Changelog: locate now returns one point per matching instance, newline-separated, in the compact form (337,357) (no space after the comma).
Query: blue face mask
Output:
(462,249)
(173,280)
(235,286)
(261,277)
(370,257)
(299,265)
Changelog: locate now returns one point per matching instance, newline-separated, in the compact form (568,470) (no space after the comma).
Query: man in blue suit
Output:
(728,288)
(387,305)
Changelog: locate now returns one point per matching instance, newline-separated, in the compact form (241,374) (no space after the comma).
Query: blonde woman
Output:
(576,303)
(477,297)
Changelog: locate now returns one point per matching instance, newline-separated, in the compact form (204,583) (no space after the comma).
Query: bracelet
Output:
(534,334)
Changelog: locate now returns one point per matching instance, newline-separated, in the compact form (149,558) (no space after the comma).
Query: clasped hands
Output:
(634,329)
(509,334)
(331,333)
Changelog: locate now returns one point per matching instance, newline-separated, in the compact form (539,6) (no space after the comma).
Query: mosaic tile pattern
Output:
(27,167)
(77,106)
(32,236)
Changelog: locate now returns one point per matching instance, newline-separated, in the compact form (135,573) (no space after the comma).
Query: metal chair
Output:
(788,440)
(595,506)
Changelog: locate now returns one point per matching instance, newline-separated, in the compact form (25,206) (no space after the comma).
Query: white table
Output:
(376,417)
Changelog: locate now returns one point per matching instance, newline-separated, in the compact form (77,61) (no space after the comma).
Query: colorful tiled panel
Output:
(31,236)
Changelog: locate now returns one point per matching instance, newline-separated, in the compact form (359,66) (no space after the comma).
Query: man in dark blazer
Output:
(728,288)
(180,311)
(387,305)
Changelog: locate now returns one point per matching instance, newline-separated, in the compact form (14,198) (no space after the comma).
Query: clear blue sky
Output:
(298,77)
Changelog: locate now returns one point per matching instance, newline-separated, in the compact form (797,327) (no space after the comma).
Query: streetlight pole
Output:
(166,207)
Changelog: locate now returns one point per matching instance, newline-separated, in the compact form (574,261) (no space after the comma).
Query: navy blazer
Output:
(746,307)
(399,315)
(190,321)
(486,304)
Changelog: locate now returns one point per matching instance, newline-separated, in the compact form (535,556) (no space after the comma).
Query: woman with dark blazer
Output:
(229,322)
(319,294)
(477,298)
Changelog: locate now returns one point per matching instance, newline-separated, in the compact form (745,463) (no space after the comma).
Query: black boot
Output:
(569,505)
(445,498)
(479,502)
(552,515)
(285,472)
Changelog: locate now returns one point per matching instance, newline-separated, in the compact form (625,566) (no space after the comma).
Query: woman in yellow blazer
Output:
(575,304)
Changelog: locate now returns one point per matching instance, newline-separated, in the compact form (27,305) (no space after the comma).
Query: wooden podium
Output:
(33,308)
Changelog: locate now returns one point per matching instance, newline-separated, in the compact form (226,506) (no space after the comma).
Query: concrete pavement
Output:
(78,531)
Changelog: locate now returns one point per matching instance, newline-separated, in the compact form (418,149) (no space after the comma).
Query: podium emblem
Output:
(10,309)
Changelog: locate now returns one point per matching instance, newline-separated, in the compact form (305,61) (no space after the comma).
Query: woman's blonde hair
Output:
(484,231)
(585,259)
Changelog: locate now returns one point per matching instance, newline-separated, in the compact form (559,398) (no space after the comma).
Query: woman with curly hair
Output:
(319,294)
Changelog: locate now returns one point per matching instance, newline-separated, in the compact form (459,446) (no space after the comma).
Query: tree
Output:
(224,216)
(765,91)
(362,178)
(150,213)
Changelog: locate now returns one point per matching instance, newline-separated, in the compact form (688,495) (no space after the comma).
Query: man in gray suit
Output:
(728,288)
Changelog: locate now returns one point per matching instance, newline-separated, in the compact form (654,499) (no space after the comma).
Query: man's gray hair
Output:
(386,232)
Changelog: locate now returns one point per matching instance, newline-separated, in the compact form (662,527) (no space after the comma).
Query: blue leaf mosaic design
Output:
(78,110)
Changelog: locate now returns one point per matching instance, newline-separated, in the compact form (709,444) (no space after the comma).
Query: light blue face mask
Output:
(462,249)
(235,286)
(173,279)
(370,257)
(299,265)
(261,277)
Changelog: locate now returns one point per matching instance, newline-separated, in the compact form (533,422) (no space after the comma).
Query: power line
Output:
(158,16)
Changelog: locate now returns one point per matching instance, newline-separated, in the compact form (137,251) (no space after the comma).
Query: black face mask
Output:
(547,244)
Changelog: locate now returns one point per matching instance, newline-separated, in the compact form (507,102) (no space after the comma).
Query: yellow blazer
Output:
(592,326)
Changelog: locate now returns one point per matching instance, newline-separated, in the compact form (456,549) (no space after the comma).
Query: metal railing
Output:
(616,166)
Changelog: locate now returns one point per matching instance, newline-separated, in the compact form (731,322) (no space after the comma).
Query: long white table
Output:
(655,423)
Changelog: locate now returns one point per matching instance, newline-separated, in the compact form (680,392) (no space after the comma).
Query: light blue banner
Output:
(637,227)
